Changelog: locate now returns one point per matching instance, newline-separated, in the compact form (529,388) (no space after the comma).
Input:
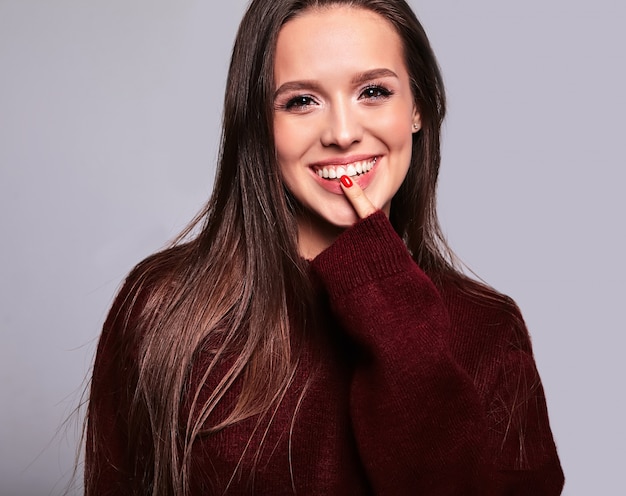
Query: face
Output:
(343,105)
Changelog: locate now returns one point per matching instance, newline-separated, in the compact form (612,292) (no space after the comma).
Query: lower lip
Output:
(333,185)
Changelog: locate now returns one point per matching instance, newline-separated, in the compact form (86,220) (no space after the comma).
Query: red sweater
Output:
(417,390)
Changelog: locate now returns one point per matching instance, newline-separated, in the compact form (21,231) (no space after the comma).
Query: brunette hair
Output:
(236,287)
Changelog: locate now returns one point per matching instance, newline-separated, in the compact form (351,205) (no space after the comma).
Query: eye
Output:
(299,103)
(375,92)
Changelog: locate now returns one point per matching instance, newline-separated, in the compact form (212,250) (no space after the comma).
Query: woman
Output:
(315,337)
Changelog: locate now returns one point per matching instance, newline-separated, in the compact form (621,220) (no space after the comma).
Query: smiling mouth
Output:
(358,168)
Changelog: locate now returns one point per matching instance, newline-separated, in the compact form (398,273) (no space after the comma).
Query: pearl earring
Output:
(415,126)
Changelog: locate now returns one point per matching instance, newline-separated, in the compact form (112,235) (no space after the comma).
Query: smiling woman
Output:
(315,337)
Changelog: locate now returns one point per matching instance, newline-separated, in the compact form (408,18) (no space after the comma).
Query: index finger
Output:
(356,196)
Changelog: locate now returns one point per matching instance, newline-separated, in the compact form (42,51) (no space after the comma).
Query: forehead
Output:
(324,41)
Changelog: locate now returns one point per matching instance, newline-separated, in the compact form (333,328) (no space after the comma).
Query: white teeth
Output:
(353,169)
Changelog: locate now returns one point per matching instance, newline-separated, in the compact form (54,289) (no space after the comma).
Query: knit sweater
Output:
(417,389)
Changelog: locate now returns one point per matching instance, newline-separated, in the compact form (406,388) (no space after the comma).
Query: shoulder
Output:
(136,305)
(486,327)
(145,291)
(481,309)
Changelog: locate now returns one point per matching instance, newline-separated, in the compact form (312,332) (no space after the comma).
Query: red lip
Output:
(333,185)
(343,160)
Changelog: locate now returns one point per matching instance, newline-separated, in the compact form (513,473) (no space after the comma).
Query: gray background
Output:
(109,120)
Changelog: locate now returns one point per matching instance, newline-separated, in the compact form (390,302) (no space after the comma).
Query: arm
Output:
(419,421)
(417,418)
(109,469)
(522,449)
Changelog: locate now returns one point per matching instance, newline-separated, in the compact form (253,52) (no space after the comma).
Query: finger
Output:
(355,195)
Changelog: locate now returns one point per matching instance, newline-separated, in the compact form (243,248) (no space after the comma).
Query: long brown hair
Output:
(237,287)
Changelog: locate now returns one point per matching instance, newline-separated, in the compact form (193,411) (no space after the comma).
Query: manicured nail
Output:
(347,182)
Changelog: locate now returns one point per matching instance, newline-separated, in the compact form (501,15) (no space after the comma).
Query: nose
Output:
(343,126)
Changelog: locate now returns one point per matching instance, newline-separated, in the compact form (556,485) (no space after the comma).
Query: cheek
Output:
(281,139)
(395,125)
(291,141)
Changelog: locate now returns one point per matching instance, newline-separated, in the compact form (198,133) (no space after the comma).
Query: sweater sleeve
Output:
(419,422)
(523,452)
(109,467)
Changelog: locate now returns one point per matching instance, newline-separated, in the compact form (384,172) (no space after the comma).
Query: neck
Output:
(315,235)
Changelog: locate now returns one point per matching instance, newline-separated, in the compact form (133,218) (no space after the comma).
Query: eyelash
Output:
(382,92)
(302,102)
(299,102)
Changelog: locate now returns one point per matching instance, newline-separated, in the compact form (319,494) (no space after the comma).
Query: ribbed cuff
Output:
(367,251)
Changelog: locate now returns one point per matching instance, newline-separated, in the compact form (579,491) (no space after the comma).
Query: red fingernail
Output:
(347,182)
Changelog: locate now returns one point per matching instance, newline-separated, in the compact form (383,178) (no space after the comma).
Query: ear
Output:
(417,120)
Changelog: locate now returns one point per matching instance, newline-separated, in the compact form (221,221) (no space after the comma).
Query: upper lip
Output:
(343,160)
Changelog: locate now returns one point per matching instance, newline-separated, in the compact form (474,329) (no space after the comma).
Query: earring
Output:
(415,126)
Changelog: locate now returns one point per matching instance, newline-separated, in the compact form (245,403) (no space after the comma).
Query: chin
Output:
(343,221)
(339,218)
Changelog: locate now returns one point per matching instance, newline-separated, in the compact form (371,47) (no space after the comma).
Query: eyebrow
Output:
(363,77)
(360,78)
(296,86)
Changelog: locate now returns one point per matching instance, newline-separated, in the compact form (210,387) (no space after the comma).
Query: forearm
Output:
(418,417)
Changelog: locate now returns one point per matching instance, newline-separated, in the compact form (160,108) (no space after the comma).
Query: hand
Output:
(356,196)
